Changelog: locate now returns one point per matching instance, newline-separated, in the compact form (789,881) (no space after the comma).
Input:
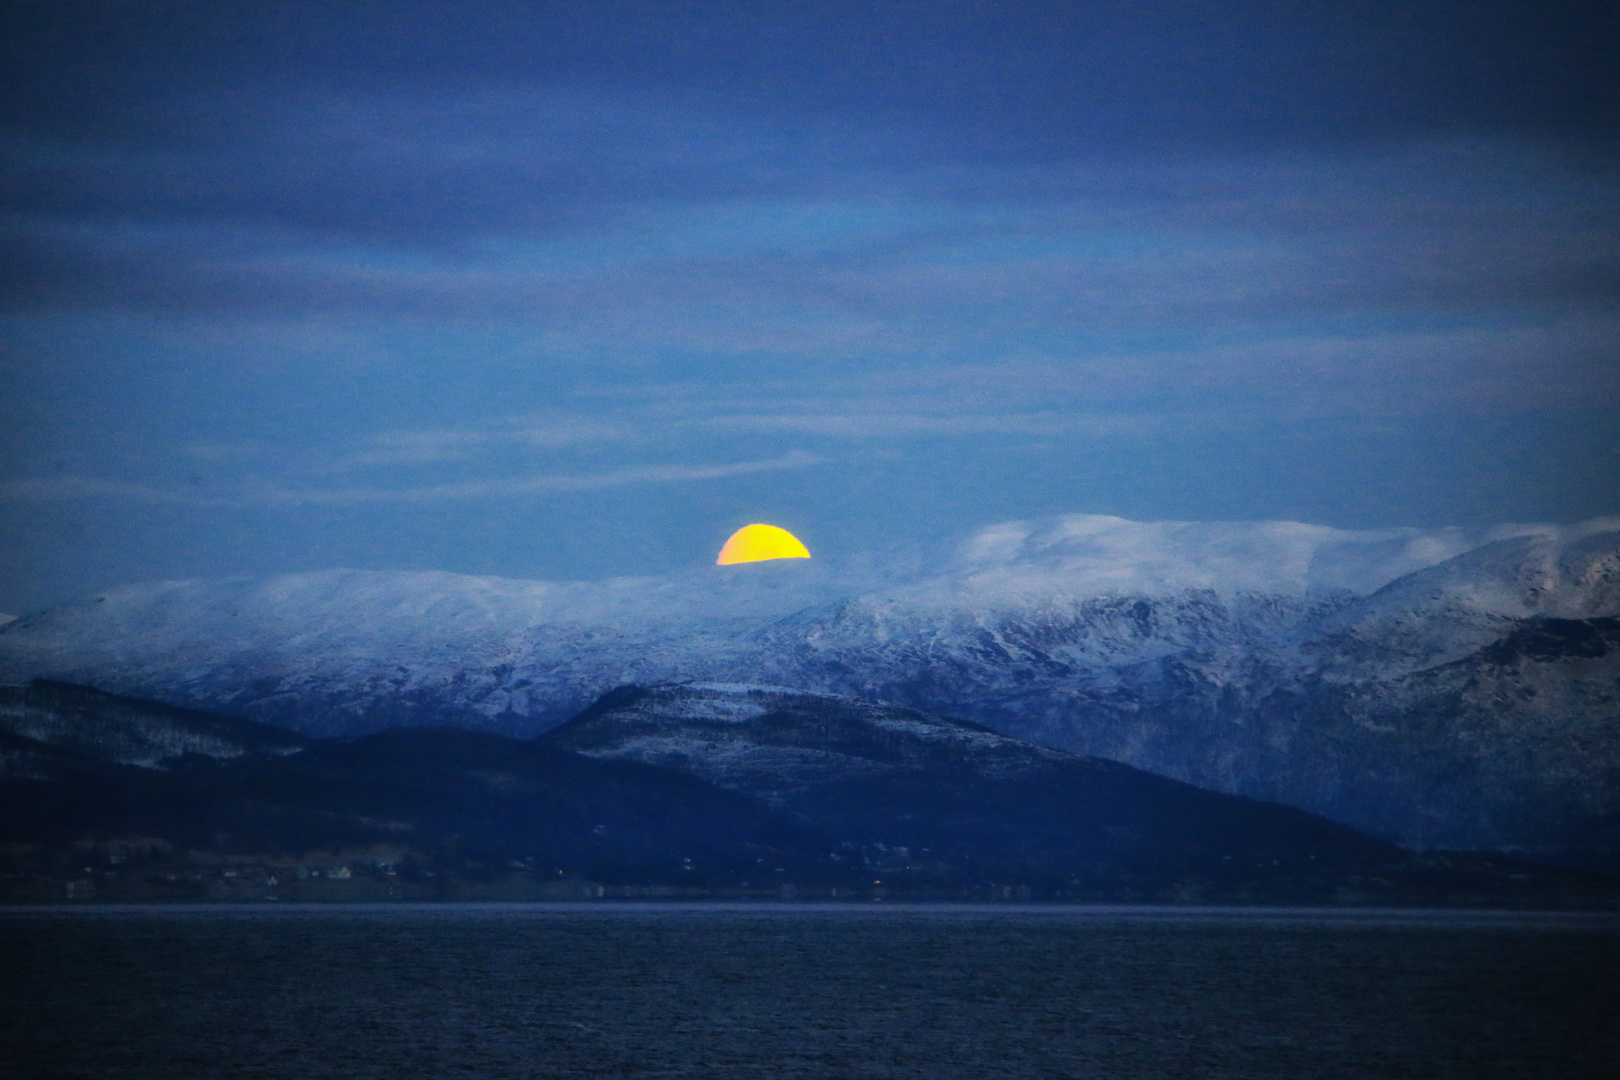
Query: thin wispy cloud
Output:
(906,425)
(260,494)
(61,488)
(409,448)
(508,487)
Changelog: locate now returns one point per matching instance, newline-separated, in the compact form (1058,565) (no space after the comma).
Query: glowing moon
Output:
(756,543)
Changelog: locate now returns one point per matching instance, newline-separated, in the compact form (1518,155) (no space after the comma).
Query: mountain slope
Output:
(78,722)
(1515,745)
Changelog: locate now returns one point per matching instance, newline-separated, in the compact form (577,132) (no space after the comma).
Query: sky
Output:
(573,290)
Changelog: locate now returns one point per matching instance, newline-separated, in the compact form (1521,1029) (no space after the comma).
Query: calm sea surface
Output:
(840,992)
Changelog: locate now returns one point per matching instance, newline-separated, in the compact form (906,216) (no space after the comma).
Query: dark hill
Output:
(449,799)
(929,799)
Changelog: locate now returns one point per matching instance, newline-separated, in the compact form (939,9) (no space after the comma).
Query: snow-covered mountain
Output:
(1391,679)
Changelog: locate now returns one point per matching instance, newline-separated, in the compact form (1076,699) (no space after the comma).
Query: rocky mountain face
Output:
(1446,688)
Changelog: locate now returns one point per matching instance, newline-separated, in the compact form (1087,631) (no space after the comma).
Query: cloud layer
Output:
(961,257)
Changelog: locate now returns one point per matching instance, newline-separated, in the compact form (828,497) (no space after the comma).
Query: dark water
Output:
(781,992)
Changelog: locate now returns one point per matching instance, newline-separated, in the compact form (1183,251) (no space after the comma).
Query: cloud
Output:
(1246,378)
(633,219)
(64,488)
(1039,78)
(414,448)
(877,424)
(537,485)
(401,271)
(1439,276)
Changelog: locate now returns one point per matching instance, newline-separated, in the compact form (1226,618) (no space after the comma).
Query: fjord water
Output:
(811,991)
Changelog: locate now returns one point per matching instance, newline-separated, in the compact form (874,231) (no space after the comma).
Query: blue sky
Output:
(573,290)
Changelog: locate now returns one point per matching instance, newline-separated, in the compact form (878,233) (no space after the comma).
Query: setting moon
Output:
(756,543)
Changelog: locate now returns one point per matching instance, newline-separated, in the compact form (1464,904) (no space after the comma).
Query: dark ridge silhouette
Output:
(687,790)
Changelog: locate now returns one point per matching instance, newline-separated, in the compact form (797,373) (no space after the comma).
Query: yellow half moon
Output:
(756,543)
